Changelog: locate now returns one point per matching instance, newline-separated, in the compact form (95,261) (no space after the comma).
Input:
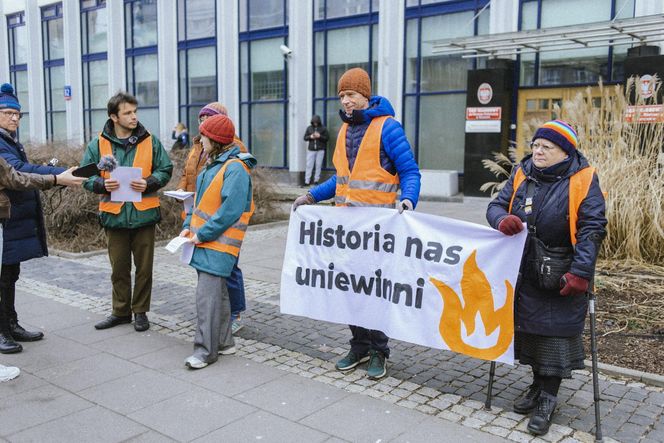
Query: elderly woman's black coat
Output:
(539,311)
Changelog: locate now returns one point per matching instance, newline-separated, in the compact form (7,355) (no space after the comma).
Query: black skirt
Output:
(551,356)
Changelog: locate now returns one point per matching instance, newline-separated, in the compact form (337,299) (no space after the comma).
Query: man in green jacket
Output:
(130,227)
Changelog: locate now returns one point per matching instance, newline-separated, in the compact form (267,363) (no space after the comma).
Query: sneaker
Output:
(350,361)
(527,402)
(194,363)
(8,373)
(377,365)
(236,325)
(228,351)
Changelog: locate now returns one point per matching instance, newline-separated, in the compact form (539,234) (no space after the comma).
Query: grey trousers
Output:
(213,308)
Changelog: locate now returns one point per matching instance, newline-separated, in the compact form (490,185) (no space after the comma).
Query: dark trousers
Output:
(122,245)
(365,340)
(235,283)
(8,279)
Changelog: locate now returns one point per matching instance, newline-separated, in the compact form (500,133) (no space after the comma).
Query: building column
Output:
(71,18)
(167,60)
(36,73)
(4,46)
(300,85)
(391,39)
(116,48)
(228,58)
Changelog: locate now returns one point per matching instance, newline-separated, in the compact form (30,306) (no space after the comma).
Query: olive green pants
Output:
(122,245)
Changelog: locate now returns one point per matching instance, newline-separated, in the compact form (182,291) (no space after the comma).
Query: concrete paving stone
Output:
(130,346)
(641,420)
(135,391)
(150,437)
(519,436)
(291,396)
(86,333)
(361,418)
(24,382)
(46,353)
(92,424)
(496,430)
(86,372)
(201,410)
(436,429)
(264,427)
(37,406)
(629,432)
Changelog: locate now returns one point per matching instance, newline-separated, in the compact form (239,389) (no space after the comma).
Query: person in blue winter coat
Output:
(216,226)
(373,159)
(557,193)
(24,231)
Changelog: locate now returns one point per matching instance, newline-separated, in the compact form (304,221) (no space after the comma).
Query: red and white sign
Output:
(487,113)
(646,86)
(645,114)
(484,93)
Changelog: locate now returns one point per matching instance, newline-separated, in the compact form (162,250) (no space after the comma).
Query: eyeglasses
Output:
(545,148)
(12,114)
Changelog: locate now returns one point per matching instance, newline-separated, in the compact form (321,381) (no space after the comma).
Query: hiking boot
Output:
(350,361)
(377,365)
(541,419)
(8,345)
(527,402)
(20,334)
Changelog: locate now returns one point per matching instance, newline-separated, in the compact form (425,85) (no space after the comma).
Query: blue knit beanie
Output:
(7,97)
(560,133)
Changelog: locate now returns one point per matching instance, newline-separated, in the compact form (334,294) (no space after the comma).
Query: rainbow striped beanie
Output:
(560,133)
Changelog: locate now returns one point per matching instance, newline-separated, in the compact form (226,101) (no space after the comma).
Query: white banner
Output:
(428,280)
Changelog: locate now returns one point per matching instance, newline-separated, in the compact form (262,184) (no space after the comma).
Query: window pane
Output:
(56,88)
(347,48)
(527,70)
(244,71)
(59,126)
(146,80)
(319,9)
(528,16)
(343,8)
(619,55)
(145,23)
(97,28)
(411,56)
(24,128)
(98,84)
(441,143)
(244,124)
(202,75)
(333,126)
(21,88)
(55,39)
(200,19)
(20,45)
(149,118)
(573,66)
(267,70)
(410,118)
(266,14)
(98,119)
(624,9)
(557,12)
(267,123)
(319,87)
(243,15)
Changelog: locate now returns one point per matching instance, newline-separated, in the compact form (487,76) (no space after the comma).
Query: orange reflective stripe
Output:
(368,184)
(143,160)
(230,240)
(579,185)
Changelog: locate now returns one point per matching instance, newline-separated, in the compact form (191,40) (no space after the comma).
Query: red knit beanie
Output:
(355,79)
(219,128)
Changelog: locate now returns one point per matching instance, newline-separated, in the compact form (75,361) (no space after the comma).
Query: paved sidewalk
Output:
(114,385)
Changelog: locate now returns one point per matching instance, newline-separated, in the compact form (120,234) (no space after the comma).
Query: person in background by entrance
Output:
(317,136)
(556,191)
(22,227)
(130,226)
(181,137)
(196,160)
(372,159)
(216,226)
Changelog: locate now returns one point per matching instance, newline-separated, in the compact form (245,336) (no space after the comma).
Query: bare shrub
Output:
(630,166)
(71,214)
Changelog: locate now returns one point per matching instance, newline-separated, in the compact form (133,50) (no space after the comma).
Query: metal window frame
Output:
(14,68)
(249,37)
(49,64)
(86,59)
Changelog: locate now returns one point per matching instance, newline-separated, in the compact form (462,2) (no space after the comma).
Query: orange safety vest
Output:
(230,240)
(368,184)
(579,185)
(143,160)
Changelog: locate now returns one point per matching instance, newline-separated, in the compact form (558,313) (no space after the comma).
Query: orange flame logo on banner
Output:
(478,298)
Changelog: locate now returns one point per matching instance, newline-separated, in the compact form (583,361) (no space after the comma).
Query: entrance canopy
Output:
(638,31)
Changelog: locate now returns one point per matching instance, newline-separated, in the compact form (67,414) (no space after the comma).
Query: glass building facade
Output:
(54,71)
(17,38)
(94,34)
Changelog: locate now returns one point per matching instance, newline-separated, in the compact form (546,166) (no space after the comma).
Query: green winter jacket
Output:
(162,168)
(236,196)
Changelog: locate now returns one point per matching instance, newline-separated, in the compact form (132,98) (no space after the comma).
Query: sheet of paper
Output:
(175,244)
(188,204)
(187,253)
(179,195)
(124,175)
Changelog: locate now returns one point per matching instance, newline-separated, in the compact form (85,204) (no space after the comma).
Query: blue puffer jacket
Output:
(395,153)
(24,232)
(538,311)
(236,199)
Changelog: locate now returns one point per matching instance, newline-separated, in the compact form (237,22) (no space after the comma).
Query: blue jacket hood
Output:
(378,107)
(247,158)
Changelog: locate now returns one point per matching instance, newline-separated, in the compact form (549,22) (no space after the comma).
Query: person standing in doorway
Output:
(317,136)
(130,227)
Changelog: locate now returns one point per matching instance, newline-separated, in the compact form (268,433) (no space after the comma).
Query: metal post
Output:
(593,351)
(489,393)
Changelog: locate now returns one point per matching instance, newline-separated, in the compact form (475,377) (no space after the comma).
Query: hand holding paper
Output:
(125,176)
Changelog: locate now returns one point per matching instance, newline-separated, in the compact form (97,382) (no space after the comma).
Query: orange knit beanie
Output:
(355,79)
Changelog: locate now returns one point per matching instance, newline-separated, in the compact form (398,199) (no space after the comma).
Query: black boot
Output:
(541,420)
(20,334)
(8,345)
(528,400)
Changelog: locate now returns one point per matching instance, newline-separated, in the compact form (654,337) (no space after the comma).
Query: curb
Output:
(618,371)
